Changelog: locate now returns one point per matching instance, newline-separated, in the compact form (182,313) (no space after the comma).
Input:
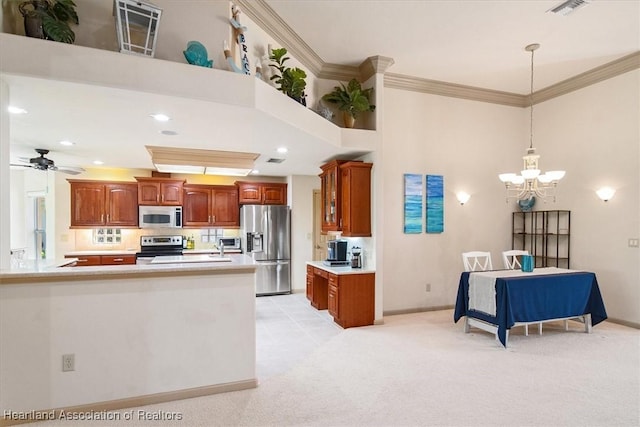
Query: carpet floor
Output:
(422,370)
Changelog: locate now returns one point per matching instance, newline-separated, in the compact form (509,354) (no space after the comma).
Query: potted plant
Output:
(49,19)
(291,81)
(351,100)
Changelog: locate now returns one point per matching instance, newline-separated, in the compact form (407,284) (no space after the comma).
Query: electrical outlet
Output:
(68,362)
(427,287)
(633,243)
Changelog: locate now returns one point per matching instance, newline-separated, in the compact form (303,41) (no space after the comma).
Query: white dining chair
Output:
(511,262)
(477,261)
(510,258)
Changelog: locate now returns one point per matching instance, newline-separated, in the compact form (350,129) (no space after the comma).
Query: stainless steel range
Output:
(153,246)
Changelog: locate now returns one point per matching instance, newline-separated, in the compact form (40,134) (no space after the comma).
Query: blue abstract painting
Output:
(412,203)
(435,204)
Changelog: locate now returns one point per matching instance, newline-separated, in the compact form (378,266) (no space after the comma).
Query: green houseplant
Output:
(49,19)
(291,81)
(351,100)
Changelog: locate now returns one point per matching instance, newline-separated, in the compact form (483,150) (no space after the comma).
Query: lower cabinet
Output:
(86,260)
(349,298)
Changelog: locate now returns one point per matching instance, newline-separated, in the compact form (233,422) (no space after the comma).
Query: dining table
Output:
(500,299)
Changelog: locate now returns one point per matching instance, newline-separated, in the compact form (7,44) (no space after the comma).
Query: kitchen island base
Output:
(138,334)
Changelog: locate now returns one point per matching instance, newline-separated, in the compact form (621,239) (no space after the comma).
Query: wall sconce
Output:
(605,193)
(463,197)
(137,24)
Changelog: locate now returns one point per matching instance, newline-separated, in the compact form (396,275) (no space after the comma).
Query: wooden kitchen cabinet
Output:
(262,193)
(356,199)
(103,203)
(87,260)
(346,197)
(210,206)
(154,191)
(349,298)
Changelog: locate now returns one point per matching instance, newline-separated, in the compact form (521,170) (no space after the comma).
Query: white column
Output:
(5,241)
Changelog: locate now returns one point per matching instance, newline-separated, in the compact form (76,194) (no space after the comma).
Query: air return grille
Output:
(568,6)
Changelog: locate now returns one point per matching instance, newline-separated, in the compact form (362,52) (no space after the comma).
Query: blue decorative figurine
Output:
(196,54)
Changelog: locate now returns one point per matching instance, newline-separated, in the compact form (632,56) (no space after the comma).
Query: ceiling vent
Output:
(274,160)
(568,6)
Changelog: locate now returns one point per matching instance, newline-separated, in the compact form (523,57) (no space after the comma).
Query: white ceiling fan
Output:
(43,163)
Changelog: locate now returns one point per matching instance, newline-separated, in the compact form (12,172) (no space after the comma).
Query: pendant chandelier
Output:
(531,182)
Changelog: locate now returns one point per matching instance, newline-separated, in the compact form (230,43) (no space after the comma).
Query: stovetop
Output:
(151,246)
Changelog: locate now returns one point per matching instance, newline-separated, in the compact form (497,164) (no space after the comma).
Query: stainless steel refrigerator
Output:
(266,237)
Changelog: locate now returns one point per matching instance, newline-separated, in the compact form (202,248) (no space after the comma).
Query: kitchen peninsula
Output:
(138,334)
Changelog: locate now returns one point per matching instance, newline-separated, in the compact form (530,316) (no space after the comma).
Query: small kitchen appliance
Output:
(153,246)
(160,216)
(337,253)
(356,257)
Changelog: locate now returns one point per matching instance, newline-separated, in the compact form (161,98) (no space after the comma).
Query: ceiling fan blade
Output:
(21,165)
(71,170)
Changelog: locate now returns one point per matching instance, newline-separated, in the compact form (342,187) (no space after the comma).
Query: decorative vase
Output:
(32,17)
(527,204)
(349,120)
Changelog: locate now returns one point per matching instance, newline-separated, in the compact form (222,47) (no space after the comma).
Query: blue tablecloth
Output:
(536,298)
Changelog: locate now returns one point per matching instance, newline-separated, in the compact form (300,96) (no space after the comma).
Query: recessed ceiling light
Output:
(67,143)
(161,117)
(169,132)
(98,162)
(16,110)
(282,150)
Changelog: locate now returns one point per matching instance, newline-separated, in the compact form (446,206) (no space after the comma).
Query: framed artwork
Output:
(435,204)
(412,203)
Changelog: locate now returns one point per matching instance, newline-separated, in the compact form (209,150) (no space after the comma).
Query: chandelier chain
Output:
(531,104)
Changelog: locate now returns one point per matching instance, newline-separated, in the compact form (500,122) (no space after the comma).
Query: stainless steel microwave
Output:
(160,216)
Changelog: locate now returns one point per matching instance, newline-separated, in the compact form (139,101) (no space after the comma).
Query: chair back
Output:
(477,261)
(510,258)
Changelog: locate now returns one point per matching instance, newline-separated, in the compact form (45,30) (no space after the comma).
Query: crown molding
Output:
(263,15)
(604,72)
(434,87)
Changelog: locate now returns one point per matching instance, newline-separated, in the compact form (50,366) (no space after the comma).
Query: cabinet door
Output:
(333,303)
(274,194)
(171,193)
(225,210)
(87,204)
(249,193)
(121,205)
(356,199)
(309,283)
(197,207)
(329,180)
(148,193)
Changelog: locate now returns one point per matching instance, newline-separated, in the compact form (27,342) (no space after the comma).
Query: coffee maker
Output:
(337,253)
(356,257)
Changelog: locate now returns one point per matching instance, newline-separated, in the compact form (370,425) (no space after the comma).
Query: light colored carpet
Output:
(423,370)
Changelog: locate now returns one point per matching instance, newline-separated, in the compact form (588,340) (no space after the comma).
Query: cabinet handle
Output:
(209,219)
(118,260)
(82,260)
(101,217)
(107,217)
(157,198)
(340,222)
(163,198)
(214,218)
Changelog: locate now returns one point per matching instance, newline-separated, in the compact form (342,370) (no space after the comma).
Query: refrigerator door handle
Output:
(272,262)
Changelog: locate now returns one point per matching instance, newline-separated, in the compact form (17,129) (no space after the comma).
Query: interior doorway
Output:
(319,239)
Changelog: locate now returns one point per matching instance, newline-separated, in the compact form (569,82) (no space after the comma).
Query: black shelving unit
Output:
(545,234)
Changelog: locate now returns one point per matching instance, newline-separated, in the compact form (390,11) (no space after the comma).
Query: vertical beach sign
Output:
(435,204)
(412,203)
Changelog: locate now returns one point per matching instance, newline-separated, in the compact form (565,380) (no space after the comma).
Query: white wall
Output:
(300,193)
(594,134)
(468,143)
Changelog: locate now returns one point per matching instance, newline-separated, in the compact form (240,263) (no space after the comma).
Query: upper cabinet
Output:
(346,197)
(101,204)
(160,191)
(262,193)
(211,206)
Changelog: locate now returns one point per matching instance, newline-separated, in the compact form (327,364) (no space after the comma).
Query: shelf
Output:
(539,233)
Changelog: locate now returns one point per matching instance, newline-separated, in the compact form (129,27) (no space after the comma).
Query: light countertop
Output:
(338,270)
(103,252)
(30,272)
(209,251)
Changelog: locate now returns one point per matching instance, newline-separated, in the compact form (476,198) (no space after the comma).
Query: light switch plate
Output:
(633,243)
